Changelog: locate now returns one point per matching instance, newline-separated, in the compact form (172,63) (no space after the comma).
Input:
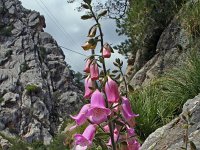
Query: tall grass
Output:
(162,100)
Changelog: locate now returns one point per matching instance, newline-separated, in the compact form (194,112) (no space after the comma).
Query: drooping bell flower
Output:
(111,90)
(106,128)
(87,66)
(94,70)
(106,52)
(84,140)
(98,112)
(133,144)
(81,117)
(88,45)
(116,137)
(127,112)
(89,84)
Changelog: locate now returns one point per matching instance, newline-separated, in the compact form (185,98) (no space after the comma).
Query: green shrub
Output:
(163,99)
(9,53)
(24,67)
(1,99)
(190,18)
(32,88)
(6,31)
(58,143)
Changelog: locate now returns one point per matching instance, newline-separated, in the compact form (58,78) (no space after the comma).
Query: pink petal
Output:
(133,145)
(87,66)
(94,71)
(78,147)
(106,53)
(116,135)
(88,85)
(111,89)
(89,132)
(87,137)
(82,116)
(81,140)
(97,99)
(126,109)
(98,115)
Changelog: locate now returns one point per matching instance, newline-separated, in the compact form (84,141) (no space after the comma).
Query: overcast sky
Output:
(64,24)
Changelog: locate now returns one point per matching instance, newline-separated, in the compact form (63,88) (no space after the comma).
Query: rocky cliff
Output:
(37,89)
(171,44)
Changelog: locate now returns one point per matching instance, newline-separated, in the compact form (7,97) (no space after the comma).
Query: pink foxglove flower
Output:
(81,117)
(84,140)
(87,66)
(133,144)
(126,109)
(112,92)
(88,85)
(106,51)
(98,112)
(94,71)
(116,137)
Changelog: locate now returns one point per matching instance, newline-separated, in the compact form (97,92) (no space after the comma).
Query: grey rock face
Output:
(170,50)
(36,86)
(170,136)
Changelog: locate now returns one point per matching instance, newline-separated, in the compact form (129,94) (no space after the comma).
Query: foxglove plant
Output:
(111,120)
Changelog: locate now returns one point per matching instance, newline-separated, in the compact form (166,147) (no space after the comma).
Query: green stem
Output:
(110,124)
(124,80)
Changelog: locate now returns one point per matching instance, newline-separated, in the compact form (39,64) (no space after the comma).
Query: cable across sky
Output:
(60,27)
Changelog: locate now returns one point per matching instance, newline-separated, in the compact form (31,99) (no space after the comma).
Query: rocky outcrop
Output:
(37,89)
(170,50)
(172,135)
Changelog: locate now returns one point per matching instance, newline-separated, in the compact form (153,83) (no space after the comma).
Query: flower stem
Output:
(110,124)
(124,80)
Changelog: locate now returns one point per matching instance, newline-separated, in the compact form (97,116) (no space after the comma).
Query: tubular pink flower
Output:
(106,51)
(106,128)
(133,144)
(98,112)
(111,90)
(116,135)
(87,66)
(81,117)
(94,71)
(87,137)
(88,85)
(126,109)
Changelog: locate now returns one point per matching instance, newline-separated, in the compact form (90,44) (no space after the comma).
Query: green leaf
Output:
(115,71)
(87,1)
(85,17)
(116,64)
(117,60)
(92,31)
(102,134)
(192,146)
(85,6)
(103,13)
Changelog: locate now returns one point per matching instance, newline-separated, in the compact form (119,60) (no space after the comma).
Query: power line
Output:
(65,32)
(61,29)
(51,16)
(73,51)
